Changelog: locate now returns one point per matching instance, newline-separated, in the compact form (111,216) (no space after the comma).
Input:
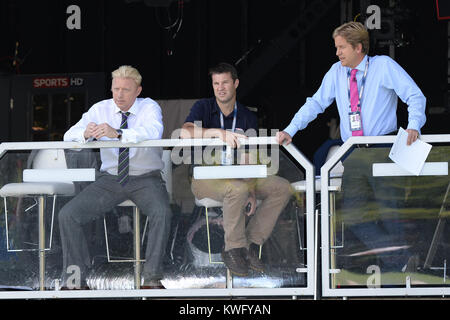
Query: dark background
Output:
(282,49)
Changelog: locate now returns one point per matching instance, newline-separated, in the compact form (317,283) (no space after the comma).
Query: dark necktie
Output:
(124,155)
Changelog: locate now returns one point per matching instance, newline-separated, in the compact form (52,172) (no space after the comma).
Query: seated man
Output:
(219,115)
(125,173)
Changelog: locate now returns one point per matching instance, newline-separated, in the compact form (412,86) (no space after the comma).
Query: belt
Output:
(383,145)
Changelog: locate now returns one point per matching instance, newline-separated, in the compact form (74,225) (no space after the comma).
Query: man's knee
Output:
(282,188)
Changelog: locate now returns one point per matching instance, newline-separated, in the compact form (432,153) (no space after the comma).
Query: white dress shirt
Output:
(144,123)
(386,82)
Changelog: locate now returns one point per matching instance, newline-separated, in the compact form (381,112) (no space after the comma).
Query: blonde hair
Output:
(354,32)
(128,72)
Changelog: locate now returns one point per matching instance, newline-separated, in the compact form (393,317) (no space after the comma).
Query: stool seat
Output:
(208,203)
(37,188)
(127,203)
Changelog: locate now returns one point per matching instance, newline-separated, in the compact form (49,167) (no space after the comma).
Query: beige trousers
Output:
(274,192)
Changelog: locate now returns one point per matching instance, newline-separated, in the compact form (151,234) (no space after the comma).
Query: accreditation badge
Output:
(227,157)
(355,121)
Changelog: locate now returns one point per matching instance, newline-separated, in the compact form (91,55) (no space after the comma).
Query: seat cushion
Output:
(37,188)
(127,203)
(208,203)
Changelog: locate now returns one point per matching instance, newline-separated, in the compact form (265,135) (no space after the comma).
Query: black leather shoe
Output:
(235,261)
(253,258)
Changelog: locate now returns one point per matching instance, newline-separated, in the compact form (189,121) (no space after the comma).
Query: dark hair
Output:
(224,68)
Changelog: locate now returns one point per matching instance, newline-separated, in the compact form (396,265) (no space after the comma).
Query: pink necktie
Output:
(354,98)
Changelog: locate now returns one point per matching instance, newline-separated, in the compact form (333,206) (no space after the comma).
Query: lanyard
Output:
(363,82)
(222,124)
(226,151)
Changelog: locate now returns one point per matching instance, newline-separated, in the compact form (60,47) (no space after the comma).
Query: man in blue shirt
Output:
(386,80)
(225,118)
(380,81)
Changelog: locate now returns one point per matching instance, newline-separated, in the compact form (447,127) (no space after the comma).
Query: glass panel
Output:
(19,235)
(102,249)
(383,227)
(283,254)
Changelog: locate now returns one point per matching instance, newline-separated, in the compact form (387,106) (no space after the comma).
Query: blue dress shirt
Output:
(386,80)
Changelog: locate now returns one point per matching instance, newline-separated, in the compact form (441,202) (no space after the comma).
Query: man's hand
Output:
(89,132)
(104,130)
(189,130)
(232,138)
(282,137)
(412,136)
(251,201)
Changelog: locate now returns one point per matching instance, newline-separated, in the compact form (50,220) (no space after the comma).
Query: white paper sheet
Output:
(410,158)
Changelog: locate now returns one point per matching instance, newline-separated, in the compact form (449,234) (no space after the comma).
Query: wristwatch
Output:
(119,133)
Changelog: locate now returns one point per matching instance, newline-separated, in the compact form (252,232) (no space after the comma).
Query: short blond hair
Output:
(354,32)
(128,72)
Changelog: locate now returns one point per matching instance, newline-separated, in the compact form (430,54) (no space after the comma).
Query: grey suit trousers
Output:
(147,191)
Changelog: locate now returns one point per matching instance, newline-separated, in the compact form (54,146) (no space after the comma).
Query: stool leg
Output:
(207,235)
(332,223)
(41,244)
(229,279)
(137,249)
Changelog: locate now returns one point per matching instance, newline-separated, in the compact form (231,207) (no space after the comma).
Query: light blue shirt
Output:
(386,80)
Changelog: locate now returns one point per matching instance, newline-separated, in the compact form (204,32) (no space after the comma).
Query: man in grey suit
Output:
(125,173)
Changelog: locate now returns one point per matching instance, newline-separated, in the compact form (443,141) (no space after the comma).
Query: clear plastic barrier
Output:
(43,181)
(387,234)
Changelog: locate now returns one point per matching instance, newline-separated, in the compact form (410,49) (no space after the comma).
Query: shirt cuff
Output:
(413,124)
(77,137)
(291,130)
(128,136)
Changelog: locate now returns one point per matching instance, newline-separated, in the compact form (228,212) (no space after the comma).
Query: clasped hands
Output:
(229,137)
(98,131)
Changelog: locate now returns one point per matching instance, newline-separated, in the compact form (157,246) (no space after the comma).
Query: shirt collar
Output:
(362,65)
(217,110)
(132,110)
